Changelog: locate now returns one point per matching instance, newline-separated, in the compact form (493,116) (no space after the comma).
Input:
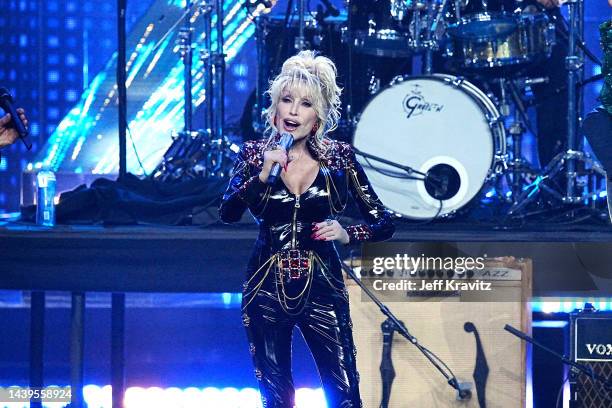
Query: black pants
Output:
(326,326)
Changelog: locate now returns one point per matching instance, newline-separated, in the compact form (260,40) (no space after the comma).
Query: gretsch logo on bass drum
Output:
(415,103)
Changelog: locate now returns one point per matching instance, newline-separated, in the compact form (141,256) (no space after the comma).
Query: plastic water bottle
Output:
(45,207)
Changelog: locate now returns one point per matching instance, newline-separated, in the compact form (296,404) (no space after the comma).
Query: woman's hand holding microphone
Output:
(328,230)
(278,155)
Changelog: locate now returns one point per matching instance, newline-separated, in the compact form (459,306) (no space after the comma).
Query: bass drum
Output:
(440,125)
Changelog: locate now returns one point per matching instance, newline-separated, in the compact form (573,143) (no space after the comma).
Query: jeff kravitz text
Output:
(427,276)
(450,285)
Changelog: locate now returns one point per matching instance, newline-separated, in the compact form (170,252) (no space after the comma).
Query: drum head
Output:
(433,126)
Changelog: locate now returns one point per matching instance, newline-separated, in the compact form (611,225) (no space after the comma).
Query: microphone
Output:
(286,142)
(442,181)
(464,392)
(6,103)
(464,389)
(333,11)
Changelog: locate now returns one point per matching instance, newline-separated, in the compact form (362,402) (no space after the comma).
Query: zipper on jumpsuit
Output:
(294,225)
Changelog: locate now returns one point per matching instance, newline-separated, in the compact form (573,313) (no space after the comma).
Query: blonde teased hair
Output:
(317,75)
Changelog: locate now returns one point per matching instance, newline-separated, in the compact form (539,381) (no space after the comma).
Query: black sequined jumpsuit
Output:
(293,279)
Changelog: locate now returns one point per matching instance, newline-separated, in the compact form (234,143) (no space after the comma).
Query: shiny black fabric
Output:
(317,303)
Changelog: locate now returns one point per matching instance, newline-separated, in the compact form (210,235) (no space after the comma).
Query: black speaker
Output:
(591,345)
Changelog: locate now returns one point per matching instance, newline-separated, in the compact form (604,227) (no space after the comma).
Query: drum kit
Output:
(432,144)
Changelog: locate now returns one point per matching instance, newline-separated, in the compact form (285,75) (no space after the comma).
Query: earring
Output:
(314,129)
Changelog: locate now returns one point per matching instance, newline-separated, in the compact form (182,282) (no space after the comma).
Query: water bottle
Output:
(45,192)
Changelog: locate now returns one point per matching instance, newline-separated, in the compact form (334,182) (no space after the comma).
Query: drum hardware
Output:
(183,142)
(206,56)
(218,76)
(194,155)
(456,82)
(257,111)
(186,47)
(202,153)
(434,35)
(556,167)
(398,80)
(395,28)
(256,7)
(300,42)
(501,165)
(514,112)
(518,165)
(494,121)
(374,85)
(567,162)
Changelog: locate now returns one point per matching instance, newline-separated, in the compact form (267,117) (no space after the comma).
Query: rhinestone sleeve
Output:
(378,225)
(244,190)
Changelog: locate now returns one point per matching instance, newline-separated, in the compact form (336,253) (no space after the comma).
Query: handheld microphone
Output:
(6,103)
(286,142)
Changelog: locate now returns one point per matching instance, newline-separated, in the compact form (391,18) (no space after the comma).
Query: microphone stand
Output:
(409,170)
(575,368)
(393,324)
(387,372)
(425,177)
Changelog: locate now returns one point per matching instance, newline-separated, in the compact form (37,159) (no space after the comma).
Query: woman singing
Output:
(294,274)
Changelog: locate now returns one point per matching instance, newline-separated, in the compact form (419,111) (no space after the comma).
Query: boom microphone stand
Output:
(393,324)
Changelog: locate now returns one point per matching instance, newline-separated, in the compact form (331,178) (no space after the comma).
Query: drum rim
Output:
(369,44)
(497,132)
(309,20)
(501,62)
(487,16)
(454,30)
(391,34)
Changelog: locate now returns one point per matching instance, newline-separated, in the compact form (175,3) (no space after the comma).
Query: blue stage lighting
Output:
(567,305)
(191,397)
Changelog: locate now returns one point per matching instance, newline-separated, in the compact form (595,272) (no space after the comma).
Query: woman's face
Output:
(295,113)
